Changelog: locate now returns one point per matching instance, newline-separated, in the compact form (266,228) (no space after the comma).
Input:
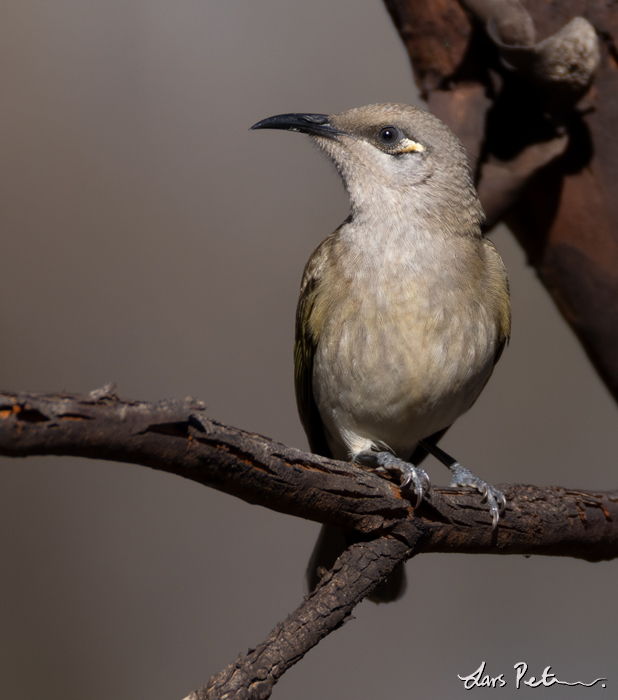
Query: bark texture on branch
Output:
(531,88)
(178,437)
(325,610)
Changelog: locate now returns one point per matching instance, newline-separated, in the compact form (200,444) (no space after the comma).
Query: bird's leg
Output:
(464,477)
(410,474)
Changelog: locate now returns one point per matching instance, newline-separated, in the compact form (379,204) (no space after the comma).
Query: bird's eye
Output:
(389,135)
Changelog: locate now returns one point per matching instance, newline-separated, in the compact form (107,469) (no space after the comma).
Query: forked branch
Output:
(178,437)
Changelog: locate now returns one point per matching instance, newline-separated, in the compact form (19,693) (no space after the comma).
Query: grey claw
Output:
(495,518)
(409,474)
(405,480)
(494,497)
(502,501)
(426,480)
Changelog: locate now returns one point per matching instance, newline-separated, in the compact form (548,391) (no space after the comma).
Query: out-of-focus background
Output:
(148,238)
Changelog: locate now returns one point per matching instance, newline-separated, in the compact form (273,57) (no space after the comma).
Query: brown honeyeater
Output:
(404,310)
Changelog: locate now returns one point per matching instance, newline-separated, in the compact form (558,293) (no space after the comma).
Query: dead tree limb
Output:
(325,610)
(531,89)
(179,438)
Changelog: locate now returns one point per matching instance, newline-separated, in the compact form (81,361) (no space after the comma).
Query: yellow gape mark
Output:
(408,146)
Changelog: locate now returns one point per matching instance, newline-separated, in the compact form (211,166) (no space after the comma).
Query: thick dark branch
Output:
(510,78)
(351,579)
(178,437)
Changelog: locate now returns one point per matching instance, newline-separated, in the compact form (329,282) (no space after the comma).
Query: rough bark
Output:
(324,611)
(538,112)
(178,437)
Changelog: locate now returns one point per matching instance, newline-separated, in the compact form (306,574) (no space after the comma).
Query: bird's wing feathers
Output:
(499,291)
(308,328)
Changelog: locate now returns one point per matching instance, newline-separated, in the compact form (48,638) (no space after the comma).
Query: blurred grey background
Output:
(148,238)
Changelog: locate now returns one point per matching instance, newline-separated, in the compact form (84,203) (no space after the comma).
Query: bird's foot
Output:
(410,474)
(494,497)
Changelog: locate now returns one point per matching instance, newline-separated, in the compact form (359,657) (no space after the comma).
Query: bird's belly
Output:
(388,377)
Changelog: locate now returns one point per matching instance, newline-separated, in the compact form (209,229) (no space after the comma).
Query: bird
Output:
(405,309)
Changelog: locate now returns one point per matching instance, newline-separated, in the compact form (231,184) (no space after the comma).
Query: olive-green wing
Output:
(498,283)
(307,338)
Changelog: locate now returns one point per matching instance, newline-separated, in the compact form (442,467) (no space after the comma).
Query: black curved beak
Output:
(313,124)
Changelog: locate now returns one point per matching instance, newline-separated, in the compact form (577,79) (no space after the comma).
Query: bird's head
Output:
(393,155)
